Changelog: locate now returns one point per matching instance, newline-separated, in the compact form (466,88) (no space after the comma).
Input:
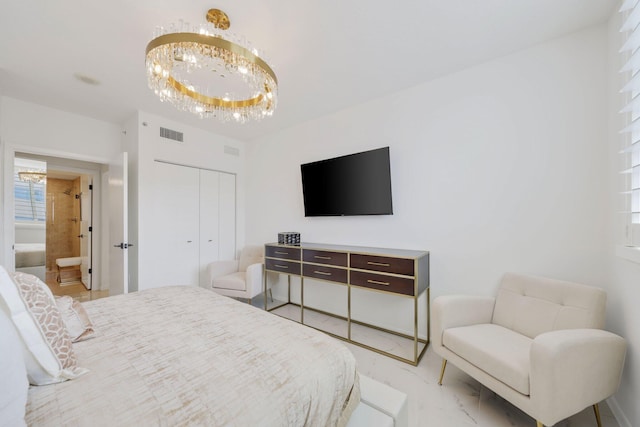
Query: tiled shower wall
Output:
(63,220)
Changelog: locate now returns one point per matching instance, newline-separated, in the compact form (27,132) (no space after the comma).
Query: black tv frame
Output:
(356,184)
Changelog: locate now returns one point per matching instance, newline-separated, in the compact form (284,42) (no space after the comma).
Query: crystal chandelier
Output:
(209,72)
(34,177)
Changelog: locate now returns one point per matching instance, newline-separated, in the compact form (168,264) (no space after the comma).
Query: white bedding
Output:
(29,254)
(187,356)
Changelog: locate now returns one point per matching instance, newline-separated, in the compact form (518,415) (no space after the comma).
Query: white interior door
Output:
(86,216)
(175,224)
(118,226)
(209,218)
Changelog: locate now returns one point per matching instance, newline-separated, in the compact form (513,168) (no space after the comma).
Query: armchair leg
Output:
(444,365)
(596,410)
(539,424)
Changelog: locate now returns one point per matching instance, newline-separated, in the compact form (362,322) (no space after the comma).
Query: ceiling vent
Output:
(171,134)
(231,150)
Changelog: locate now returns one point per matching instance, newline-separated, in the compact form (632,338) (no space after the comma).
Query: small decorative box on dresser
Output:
(392,272)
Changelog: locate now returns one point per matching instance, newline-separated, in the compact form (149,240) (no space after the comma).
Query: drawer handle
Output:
(281,266)
(376,282)
(282,253)
(321,257)
(322,272)
(381,264)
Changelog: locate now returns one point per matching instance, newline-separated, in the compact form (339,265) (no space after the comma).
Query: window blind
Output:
(30,200)
(630,151)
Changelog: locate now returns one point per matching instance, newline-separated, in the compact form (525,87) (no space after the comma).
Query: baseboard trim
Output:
(617,412)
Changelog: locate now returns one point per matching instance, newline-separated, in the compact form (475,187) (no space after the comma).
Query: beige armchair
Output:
(539,344)
(241,278)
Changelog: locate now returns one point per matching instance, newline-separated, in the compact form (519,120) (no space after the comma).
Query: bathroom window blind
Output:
(630,150)
(30,200)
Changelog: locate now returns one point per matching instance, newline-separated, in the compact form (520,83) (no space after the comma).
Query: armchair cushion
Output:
(222,268)
(533,305)
(250,255)
(500,352)
(235,281)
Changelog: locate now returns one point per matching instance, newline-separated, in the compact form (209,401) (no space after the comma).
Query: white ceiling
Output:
(328,55)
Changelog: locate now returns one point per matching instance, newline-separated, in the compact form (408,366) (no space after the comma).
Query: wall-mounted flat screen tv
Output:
(356,184)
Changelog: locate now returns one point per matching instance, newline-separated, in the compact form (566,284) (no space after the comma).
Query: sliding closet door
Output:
(175,221)
(217,219)
(227,222)
(209,218)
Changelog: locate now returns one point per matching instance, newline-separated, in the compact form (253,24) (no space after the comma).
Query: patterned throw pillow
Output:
(75,318)
(32,307)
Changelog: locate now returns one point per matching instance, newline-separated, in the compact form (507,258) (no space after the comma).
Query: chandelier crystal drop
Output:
(32,176)
(212,73)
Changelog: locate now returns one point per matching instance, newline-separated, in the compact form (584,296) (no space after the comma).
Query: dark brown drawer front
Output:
(288,267)
(325,273)
(398,285)
(282,252)
(325,257)
(404,266)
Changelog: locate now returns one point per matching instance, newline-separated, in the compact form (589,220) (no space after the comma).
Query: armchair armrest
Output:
(450,311)
(254,277)
(221,268)
(572,369)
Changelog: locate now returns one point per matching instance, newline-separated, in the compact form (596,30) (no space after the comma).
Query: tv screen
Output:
(356,184)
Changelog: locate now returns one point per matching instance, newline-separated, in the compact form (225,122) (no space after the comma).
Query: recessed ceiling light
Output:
(86,79)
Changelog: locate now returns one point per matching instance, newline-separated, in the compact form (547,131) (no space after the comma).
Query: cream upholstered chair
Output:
(241,278)
(539,344)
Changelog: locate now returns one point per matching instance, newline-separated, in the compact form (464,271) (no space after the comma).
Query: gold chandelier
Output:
(35,177)
(210,73)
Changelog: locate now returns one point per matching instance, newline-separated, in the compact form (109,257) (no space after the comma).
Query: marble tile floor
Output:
(76,290)
(461,401)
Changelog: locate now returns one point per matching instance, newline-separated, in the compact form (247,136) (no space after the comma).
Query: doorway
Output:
(61,226)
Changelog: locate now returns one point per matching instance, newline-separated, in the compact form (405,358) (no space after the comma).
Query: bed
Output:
(187,356)
(30,258)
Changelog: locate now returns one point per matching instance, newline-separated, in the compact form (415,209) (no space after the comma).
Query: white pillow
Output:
(32,308)
(15,385)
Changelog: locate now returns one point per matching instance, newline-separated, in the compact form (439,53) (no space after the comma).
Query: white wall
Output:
(35,129)
(496,168)
(623,316)
(200,149)
(54,131)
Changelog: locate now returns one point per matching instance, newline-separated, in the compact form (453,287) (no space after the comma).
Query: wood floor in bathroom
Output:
(76,289)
